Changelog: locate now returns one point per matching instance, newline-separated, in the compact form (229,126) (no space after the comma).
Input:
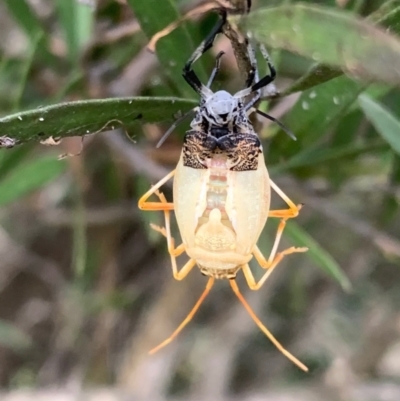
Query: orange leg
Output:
(174,252)
(188,318)
(154,206)
(269,264)
(273,259)
(178,274)
(264,329)
(293,210)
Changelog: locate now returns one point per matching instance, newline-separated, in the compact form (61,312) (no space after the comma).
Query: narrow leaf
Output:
(326,35)
(31,25)
(321,155)
(318,109)
(10,158)
(29,177)
(25,17)
(388,15)
(86,117)
(76,19)
(385,123)
(320,256)
(27,64)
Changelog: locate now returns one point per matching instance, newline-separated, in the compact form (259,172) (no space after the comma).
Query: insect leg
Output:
(179,275)
(207,42)
(274,257)
(263,328)
(293,210)
(216,68)
(272,72)
(254,76)
(267,264)
(174,252)
(188,318)
(189,75)
(210,81)
(144,205)
(253,73)
(261,83)
(271,90)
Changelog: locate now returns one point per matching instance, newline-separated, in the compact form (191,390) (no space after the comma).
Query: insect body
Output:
(222,194)
(220,166)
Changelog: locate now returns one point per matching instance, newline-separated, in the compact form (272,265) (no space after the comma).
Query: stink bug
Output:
(221,196)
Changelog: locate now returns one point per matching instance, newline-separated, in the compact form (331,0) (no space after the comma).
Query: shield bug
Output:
(221,196)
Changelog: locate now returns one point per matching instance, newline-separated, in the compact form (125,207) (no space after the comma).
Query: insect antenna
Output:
(187,319)
(258,322)
(173,126)
(287,130)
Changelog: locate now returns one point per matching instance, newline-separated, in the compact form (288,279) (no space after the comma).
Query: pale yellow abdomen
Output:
(221,214)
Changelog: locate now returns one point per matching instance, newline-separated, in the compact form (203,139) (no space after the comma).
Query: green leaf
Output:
(318,74)
(27,65)
(329,36)
(29,177)
(87,117)
(388,15)
(324,154)
(77,21)
(320,256)
(317,110)
(25,18)
(320,108)
(31,25)
(385,123)
(173,50)
(10,158)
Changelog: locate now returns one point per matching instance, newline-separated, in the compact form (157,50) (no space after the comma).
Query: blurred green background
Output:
(86,288)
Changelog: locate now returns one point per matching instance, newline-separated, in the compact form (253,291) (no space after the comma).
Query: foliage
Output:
(82,284)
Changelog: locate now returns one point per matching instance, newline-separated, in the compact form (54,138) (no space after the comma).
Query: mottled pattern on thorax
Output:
(237,141)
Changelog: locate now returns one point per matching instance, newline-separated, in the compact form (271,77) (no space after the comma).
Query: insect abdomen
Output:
(215,232)
(217,186)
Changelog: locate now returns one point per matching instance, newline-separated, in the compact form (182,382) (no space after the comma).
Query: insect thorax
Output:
(236,139)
